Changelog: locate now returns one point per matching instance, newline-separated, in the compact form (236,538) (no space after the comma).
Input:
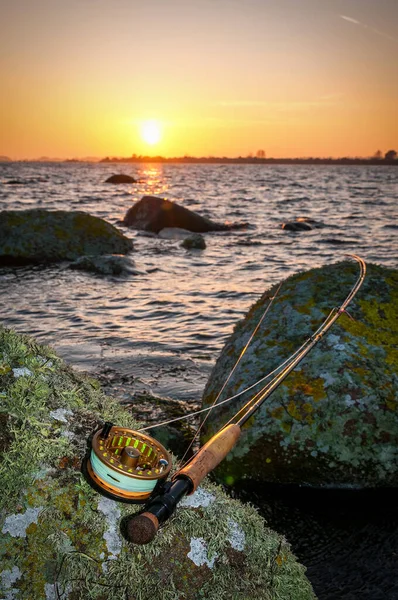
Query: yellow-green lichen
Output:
(333,420)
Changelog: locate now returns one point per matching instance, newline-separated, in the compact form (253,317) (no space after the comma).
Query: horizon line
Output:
(191,158)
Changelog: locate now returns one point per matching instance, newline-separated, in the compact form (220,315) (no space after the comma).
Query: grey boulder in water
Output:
(153,214)
(194,242)
(109,264)
(173,233)
(334,420)
(37,235)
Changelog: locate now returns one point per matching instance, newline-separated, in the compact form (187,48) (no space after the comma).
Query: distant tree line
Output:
(390,158)
(390,155)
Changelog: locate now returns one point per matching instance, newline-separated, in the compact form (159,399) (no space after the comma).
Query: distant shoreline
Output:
(254,161)
(215,160)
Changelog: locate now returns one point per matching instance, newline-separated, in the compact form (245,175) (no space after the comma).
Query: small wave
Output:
(336,241)
(390,226)
(247,243)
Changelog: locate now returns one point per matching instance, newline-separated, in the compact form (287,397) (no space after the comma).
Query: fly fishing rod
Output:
(132,467)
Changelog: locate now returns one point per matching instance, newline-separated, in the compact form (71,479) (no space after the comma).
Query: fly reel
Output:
(125,465)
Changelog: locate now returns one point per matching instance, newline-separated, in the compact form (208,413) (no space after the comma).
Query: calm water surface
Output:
(183,305)
(162,330)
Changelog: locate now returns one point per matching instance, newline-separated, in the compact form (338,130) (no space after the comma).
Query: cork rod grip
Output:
(210,455)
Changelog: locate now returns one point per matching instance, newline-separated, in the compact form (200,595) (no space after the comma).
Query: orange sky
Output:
(222,77)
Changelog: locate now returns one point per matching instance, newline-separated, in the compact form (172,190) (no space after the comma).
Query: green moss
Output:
(377,327)
(26,402)
(75,550)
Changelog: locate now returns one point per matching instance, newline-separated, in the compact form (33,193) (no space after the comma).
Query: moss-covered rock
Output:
(196,241)
(37,235)
(60,539)
(334,420)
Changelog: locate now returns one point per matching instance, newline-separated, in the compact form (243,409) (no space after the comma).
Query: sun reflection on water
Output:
(155,182)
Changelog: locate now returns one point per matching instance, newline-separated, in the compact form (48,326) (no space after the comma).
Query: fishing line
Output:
(230,398)
(266,390)
(289,363)
(254,403)
(259,398)
(265,377)
(271,300)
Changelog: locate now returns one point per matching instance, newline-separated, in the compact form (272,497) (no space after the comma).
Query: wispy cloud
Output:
(241,103)
(350,19)
(356,22)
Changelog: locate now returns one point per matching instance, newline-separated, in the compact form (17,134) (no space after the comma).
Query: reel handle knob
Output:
(106,429)
(142,528)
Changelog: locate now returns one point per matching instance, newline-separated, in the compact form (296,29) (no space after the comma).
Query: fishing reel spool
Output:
(124,464)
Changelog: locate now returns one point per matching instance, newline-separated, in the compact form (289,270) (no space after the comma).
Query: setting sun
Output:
(150,132)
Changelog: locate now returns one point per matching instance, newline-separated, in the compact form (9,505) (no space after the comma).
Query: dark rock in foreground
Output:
(121,178)
(153,214)
(334,420)
(37,235)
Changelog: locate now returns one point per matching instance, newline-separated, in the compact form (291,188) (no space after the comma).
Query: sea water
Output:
(175,314)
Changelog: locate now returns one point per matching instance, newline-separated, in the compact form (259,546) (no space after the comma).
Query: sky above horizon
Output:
(295,78)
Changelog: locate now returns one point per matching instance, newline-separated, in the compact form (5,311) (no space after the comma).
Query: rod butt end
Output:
(142,528)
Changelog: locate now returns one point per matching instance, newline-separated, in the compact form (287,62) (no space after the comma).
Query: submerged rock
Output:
(121,178)
(153,214)
(37,235)
(302,224)
(296,226)
(172,233)
(334,420)
(60,539)
(14,182)
(109,264)
(194,242)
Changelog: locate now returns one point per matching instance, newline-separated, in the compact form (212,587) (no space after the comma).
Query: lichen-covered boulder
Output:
(37,235)
(60,539)
(334,420)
